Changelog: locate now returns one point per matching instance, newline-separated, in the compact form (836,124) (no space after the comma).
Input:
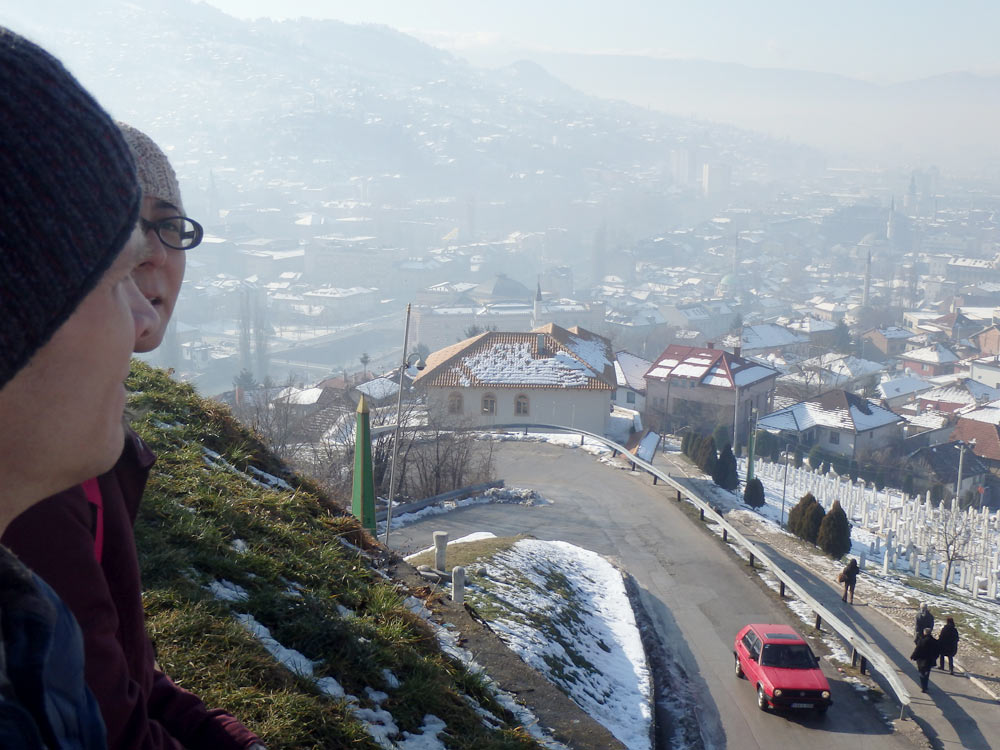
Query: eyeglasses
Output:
(177,232)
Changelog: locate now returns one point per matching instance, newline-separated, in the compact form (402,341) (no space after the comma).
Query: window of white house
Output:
(630,397)
(489,404)
(455,403)
(521,406)
(834,438)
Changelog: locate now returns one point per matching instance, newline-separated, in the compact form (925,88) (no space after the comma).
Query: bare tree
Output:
(440,460)
(271,411)
(952,539)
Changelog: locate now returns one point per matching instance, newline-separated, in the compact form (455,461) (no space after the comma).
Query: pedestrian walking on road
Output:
(849,577)
(925,655)
(948,644)
(924,620)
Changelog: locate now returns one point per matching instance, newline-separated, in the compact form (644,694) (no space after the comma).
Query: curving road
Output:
(697,596)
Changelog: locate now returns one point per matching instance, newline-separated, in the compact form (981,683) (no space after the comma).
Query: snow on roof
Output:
(379,388)
(933,354)
(712,367)
(299,397)
(990,414)
(835,409)
(895,332)
(929,420)
(769,336)
(630,370)
(810,324)
(902,386)
(547,357)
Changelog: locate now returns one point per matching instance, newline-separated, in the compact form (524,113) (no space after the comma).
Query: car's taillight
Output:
(825,694)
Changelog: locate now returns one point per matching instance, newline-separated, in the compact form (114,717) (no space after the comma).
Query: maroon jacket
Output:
(142,707)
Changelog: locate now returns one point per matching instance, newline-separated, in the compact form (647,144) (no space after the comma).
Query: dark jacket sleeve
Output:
(195,725)
(55,539)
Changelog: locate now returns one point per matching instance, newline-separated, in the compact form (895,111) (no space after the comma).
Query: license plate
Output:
(802,705)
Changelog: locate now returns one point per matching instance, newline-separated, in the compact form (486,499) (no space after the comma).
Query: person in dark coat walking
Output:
(925,655)
(948,644)
(849,577)
(923,621)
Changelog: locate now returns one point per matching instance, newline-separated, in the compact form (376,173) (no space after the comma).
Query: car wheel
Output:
(761,698)
(739,669)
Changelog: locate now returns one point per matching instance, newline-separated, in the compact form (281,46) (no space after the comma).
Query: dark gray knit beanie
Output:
(69,198)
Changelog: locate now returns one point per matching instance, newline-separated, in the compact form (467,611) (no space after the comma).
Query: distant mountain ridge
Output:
(952,117)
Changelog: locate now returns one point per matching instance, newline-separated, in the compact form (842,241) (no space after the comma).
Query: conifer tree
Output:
(686,443)
(834,536)
(753,495)
(795,514)
(706,457)
(812,519)
(726,474)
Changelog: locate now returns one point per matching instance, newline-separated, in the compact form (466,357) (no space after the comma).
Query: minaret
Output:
(363,496)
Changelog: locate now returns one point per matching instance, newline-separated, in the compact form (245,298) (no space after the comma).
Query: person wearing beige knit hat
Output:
(82,543)
(169,232)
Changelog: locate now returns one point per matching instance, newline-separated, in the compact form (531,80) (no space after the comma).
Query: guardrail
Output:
(868,654)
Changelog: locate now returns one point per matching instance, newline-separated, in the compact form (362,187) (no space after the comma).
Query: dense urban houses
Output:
(550,375)
(839,422)
(986,370)
(938,464)
(987,341)
(705,387)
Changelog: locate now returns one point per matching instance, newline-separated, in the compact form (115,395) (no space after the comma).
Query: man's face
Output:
(62,413)
(159,277)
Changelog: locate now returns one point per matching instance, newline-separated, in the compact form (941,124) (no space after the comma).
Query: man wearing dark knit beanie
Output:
(71,312)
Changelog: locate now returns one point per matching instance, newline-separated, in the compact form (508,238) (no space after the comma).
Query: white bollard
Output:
(885,563)
(862,560)
(458,585)
(440,549)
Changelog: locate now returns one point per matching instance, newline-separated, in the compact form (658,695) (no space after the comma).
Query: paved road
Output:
(697,596)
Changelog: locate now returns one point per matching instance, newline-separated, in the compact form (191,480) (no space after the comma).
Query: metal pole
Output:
(958,481)
(784,486)
(395,433)
(736,418)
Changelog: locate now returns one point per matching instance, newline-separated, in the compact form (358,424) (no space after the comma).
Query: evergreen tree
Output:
(753,494)
(711,458)
(812,519)
(725,474)
(796,514)
(706,445)
(797,457)
(686,443)
(722,434)
(834,536)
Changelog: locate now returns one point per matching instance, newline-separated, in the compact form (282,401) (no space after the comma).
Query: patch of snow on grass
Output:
(474,537)
(566,613)
(228,591)
(427,738)
(502,495)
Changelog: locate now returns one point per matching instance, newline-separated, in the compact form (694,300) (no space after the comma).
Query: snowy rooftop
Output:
(711,367)
(630,370)
(379,388)
(933,354)
(549,356)
(835,409)
(768,336)
(902,386)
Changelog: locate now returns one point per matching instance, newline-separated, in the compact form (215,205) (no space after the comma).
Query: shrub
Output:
(753,495)
(797,458)
(705,455)
(834,536)
(812,519)
(722,434)
(725,474)
(795,514)
(686,443)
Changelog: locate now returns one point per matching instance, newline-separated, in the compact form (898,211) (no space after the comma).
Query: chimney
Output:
(540,344)
(737,350)
(710,344)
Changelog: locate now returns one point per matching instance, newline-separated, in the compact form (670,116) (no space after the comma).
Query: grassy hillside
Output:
(221,512)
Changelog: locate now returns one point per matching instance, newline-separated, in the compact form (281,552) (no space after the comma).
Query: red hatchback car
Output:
(780,665)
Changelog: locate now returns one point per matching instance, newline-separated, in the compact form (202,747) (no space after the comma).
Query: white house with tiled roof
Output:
(704,387)
(550,375)
(839,422)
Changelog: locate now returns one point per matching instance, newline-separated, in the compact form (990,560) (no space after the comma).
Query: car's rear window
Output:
(783,637)
(787,656)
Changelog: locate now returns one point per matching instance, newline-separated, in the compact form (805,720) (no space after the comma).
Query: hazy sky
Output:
(881,40)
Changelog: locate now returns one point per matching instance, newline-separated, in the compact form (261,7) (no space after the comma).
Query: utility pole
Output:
(784,486)
(395,435)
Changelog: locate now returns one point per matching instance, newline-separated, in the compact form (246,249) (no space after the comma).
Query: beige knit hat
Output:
(156,176)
